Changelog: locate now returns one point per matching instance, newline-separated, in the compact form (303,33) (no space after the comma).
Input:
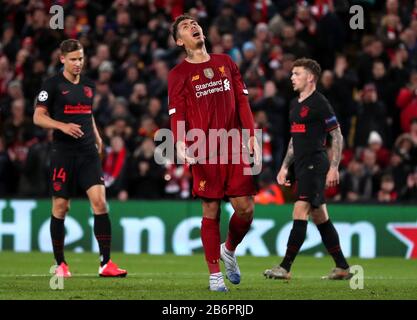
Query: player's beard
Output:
(295,88)
(200,43)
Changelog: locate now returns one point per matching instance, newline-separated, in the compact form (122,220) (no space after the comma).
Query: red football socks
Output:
(238,228)
(210,236)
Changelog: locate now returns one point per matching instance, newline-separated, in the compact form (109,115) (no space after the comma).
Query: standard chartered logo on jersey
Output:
(211,87)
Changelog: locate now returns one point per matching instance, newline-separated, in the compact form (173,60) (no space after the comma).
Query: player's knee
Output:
(245,211)
(60,209)
(211,209)
(300,215)
(318,218)
(99,205)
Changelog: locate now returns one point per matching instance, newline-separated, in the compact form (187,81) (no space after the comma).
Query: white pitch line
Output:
(93,275)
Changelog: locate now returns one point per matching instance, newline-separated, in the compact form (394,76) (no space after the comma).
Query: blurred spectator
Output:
(18,127)
(398,170)
(409,193)
(5,166)
(389,30)
(177,180)
(157,114)
(371,116)
(138,100)
(357,184)
(306,26)
(381,81)
(276,113)
(230,48)
(120,109)
(407,102)
(409,38)
(125,88)
(250,59)
(369,161)
(290,43)
(115,165)
(158,85)
(407,149)
(413,130)
(372,49)
(14,92)
(34,168)
(146,177)
(269,191)
(103,104)
(5,75)
(10,42)
(120,127)
(261,122)
(375,144)
(226,20)
(344,82)
(244,31)
(387,191)
(34,78)
(105,72)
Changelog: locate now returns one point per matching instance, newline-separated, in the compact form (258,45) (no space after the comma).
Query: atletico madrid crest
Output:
(304,111)
(88,92)
(57,186)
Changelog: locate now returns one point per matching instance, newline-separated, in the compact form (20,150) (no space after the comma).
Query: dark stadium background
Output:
(368,75)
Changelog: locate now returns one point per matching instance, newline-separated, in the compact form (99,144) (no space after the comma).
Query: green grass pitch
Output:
(25,276)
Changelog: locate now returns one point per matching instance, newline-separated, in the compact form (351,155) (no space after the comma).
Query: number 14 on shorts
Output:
(60,174)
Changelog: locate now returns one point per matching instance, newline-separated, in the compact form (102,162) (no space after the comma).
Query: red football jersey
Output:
(208,95)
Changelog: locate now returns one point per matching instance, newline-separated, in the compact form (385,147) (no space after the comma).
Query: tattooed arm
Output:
(289,158)
(332,178)
(337,147)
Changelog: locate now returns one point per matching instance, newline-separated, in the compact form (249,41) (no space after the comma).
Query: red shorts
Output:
(216,181)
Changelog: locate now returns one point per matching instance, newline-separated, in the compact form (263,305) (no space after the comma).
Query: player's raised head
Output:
(310,65)
(72,56)
(187,32)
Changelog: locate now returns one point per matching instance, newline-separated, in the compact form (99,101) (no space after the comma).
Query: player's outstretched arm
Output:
(337,146)
(42,119)
(289,158)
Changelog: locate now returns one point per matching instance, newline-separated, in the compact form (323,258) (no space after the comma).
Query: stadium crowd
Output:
(369,77)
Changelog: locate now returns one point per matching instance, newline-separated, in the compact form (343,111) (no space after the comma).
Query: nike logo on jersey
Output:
(65,92)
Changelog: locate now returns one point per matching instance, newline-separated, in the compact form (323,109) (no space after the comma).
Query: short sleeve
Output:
(45,97)
(327,115)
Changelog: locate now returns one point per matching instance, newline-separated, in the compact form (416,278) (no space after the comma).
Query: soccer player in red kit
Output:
(206,92)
